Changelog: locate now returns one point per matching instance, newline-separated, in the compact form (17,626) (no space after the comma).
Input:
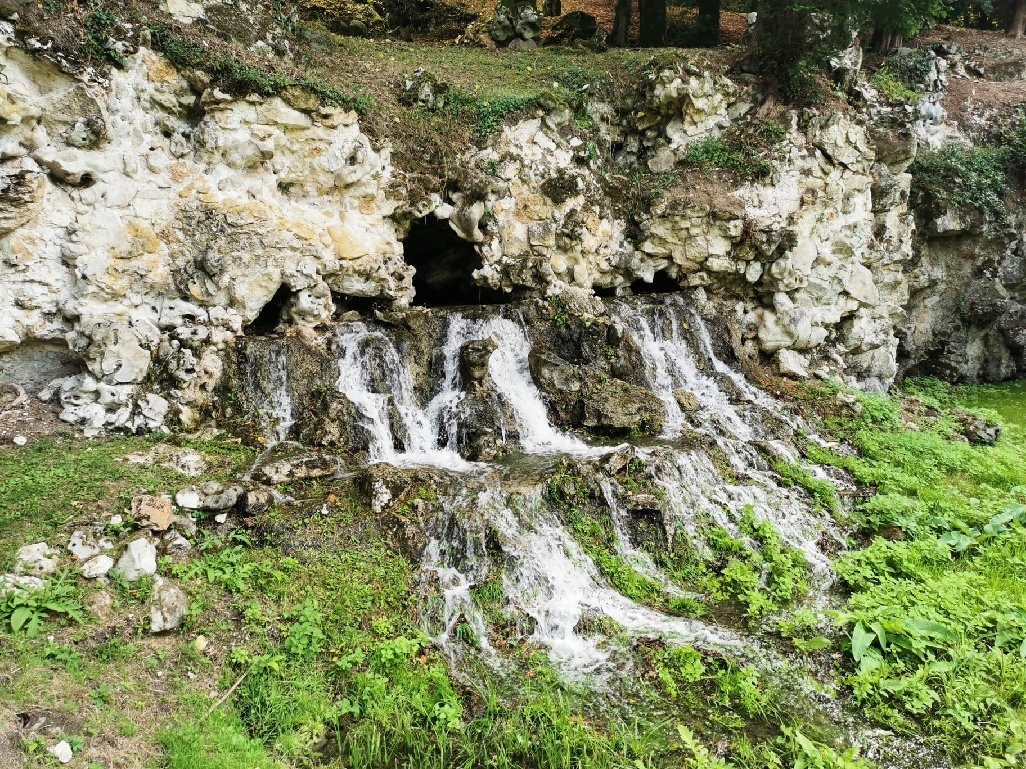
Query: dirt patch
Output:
(971,103)
(29,418)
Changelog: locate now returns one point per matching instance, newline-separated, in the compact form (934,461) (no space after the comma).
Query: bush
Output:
(973,178)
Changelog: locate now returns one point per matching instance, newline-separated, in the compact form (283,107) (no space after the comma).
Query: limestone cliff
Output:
(147,219)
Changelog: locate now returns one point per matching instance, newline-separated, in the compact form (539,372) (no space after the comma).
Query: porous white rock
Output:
(97,567)
(139,560)
(36,560)
(167,607)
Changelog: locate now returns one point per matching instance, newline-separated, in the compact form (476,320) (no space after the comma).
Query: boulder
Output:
(615,407)
(687,401)
(515,19)
(139,560)
(979,431)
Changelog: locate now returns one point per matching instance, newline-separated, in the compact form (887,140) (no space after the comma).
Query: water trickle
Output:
(549,578)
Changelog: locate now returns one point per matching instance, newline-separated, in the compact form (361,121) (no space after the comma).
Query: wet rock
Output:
(619,408)
(978,431)
(97,566)
(474,357)
(687,401)
(153,512)
(583,397)
(139,560)
(644,503)
(297,468)
(168,607)
(185,525)
(36,560)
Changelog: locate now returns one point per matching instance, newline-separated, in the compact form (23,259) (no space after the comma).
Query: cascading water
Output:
(267,379)
(547,576)
(672,366)
(428,433)
(550,579)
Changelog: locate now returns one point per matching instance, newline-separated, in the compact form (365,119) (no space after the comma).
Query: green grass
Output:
(59,479)
(936,609)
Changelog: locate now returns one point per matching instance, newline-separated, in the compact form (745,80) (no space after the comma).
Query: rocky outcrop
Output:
(148,221)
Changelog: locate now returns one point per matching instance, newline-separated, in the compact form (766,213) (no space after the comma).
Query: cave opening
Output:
(270,314)
(444,267)
(661,283)
(345,303)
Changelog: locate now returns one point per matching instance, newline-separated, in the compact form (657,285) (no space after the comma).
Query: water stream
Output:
(548,579)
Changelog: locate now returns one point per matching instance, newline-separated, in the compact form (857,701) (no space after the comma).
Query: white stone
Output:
(140,559)
(97,567)
(61,751)
(793,364)
(20,440)
(35,560)
(168,606)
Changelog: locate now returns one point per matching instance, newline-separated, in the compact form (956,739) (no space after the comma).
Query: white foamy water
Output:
(671,365)
(374,376)
(549,578)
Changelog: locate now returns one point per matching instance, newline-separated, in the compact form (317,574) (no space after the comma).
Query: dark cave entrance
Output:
(270,315)
(444,265)
(661,283)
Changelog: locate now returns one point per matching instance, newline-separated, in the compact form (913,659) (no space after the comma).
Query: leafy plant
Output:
(25,610)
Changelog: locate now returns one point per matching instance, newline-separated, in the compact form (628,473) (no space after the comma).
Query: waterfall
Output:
(374,376)
(267,381)
(549,578)
(671,365)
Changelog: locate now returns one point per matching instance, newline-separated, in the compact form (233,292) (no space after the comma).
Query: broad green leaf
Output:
(19,617)
(925,627)
(881,634)
(861,639)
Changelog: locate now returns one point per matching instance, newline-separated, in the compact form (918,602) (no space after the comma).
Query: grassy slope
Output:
(319,613)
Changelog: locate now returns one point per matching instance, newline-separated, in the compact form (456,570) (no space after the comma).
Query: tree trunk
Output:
(709,23)
(1017,26)
(553,8)
(651,23)
(621,23)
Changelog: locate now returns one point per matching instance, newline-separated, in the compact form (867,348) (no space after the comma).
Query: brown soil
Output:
(31,419)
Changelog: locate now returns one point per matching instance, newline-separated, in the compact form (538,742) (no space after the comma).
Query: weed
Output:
(25,611)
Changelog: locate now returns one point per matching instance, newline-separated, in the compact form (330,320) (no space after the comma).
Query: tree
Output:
(1017,26)
(651,23)
(621,23)
(709,22)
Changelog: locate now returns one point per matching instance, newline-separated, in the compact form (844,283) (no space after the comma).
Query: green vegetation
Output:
(745,152)
(972,178)
(936,594)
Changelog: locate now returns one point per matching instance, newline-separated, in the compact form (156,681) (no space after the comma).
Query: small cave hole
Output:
(444,265)
(606,292)
(270,315)
(661,283)
(344,303)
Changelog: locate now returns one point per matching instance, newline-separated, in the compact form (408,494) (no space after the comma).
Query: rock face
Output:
(146,224)
(148,240)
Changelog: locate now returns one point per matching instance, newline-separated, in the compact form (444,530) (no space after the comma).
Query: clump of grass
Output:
(240,77)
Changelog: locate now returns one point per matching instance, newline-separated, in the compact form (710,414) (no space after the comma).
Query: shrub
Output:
(973,178)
